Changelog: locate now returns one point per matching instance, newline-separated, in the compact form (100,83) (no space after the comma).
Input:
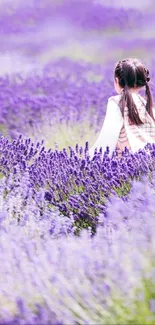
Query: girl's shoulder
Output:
(136,97)
(115,99)
(140,98)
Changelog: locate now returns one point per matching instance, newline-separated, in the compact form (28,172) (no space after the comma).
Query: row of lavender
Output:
(51,276)
(36,181)
(51,98)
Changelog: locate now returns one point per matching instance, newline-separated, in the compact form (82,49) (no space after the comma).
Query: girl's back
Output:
(132,136)
(130,119)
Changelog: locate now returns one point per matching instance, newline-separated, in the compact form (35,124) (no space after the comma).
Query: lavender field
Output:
(77,244)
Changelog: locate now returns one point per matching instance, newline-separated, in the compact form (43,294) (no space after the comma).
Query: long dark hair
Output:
(131,73)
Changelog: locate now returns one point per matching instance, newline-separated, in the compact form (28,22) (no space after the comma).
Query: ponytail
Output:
(149,101)
(132,73)
(127,101)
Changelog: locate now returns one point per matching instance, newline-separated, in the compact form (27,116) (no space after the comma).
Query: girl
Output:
(129,120)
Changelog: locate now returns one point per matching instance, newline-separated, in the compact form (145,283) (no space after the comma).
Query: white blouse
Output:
(112,125)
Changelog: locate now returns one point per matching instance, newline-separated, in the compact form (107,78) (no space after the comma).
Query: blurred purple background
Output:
(34,33)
